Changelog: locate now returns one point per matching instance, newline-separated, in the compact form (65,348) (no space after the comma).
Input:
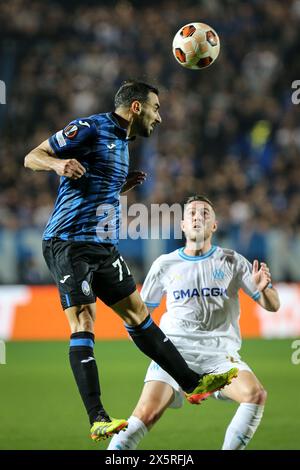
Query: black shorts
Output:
(83,271)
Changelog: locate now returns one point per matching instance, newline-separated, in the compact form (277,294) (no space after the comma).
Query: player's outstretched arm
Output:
(261,276)
(43,158)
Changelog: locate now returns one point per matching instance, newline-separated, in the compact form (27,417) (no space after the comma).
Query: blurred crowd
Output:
(230,131)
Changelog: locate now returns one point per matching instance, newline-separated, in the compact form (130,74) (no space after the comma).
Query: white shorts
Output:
(218,364)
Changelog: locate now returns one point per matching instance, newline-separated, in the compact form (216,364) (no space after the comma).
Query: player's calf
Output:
(154,400)
(148,414)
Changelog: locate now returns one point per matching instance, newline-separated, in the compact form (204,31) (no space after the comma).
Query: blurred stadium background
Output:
(230,131)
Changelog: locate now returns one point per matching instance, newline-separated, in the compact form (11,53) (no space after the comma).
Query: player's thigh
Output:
(114,284)
(71,265)
(131,309)
(245,388)
(154,400)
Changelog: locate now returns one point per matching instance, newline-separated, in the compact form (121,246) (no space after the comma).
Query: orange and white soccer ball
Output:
(196,46)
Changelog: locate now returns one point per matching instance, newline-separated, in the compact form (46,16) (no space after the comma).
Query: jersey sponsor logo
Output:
(203,292)
(110,146)
(60,139)
(85,287)
(218,274)
(71,131)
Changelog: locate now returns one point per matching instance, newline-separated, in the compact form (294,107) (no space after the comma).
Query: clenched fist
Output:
(70,168)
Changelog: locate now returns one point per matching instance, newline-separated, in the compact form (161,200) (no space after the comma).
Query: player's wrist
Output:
(268,286)
(55,164)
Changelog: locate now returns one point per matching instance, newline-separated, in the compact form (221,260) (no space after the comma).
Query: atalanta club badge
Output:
(85,287)
(71,131)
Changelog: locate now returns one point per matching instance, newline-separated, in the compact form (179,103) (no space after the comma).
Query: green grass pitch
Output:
(41,408)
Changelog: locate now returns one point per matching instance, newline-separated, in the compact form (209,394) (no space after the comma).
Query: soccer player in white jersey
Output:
(201,283)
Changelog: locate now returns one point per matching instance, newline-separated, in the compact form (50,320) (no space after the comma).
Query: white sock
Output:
(129,439)
(218,395)
(243,426)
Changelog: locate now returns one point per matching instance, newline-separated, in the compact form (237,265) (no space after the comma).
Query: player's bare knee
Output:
(255,394)
(82,319)
(86,324)
(263,396)
(86,321)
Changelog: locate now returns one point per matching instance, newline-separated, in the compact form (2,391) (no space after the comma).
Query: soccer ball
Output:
(196,46)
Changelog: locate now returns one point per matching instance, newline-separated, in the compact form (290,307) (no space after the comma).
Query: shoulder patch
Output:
(71,131)
(60,139)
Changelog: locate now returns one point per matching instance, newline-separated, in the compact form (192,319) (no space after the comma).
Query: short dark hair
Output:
(132,90)
(201,198)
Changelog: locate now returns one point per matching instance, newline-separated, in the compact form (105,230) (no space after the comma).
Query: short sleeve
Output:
(75,139)
(245,282)
(152,290)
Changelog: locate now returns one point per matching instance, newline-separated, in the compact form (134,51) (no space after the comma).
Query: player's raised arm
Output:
(261,277)
(58,152)
(44,158)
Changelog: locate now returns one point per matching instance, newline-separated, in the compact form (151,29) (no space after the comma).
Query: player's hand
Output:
(70,168)
(260,275)
(133,179)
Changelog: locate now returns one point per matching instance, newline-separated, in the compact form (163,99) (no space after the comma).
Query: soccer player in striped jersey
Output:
(201,282)
(79,243)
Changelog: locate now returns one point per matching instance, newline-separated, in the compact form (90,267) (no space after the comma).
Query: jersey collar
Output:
(121,131)
(196,258)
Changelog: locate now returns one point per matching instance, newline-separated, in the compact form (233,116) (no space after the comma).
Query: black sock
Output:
(85,371)
(152,341)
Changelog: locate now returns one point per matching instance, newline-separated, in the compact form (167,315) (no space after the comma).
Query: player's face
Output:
(199,221)
(149,116)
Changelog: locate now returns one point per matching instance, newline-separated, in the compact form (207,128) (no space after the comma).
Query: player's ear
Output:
(136,107)
(215,226)
(182,225)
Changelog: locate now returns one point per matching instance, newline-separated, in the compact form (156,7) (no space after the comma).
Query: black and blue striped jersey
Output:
(88,209)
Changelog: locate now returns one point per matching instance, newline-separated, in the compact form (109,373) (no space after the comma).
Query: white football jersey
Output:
(202,298)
